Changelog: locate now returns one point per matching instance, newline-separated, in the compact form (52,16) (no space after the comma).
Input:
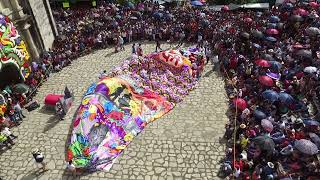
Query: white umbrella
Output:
(310,69)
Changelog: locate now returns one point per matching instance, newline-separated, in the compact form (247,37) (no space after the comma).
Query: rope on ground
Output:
(235,120)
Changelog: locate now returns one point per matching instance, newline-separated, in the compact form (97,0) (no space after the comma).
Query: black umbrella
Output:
(304,53)
(259,115)
(20,88)
(296,18)
(265,143)
(257,34)
(245,35)
(280,25)
(268,57)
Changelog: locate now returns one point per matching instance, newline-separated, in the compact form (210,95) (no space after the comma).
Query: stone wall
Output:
(43,21)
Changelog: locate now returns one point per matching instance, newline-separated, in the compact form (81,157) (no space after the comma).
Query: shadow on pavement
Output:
(34,174)
(51,123)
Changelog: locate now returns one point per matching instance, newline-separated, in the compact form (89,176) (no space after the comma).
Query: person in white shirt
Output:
(103,74)
(6,131)
(71,167)
(39,157)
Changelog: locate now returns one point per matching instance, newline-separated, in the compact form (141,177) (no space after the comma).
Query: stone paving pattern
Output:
(184,144)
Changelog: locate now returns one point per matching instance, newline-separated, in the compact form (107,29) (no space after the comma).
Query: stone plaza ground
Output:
(183,144)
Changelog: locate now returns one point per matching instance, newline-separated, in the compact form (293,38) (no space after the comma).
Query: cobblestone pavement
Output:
(184,144)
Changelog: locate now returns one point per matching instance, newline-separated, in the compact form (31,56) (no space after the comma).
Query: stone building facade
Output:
(34,21)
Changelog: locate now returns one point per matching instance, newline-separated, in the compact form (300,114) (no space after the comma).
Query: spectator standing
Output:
(139,50)
(158,45)
(121,43)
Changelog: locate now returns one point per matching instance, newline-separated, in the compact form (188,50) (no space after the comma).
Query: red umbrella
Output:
(272,31)
(248,20)
(265,80)
(300,12)
(240,103)
(262,63)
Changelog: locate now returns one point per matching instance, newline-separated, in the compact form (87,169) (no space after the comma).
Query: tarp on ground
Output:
(118,107)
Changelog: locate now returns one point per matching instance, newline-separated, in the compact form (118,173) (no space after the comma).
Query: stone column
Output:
(26,36)
(16,8)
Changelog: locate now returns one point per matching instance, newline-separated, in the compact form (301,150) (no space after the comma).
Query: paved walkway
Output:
(181,145)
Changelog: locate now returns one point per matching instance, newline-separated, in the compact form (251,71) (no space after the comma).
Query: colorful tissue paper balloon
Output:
(13,49)
(117,108)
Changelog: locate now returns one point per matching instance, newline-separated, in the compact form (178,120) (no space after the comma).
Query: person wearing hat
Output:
(39,157)
(267,171)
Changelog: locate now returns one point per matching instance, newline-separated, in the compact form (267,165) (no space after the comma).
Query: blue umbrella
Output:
(130,5)
(259,115)
(196,3)
(272,39)
(256,45)
(288,5)
(275,65)
(310,122)
(118,16)
(286,98)
(272,25)
(274,19)
(158,15)
(270,95)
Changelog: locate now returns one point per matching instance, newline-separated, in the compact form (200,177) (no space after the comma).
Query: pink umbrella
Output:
(272,31)
(265,80)
(225,8)
(313,4)
(248,20)
(298,46)
(267,125)
(262,63)
(301,12)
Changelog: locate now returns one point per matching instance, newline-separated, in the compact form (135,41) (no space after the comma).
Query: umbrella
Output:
(275,76)
(313,31)
(298,46)
(275,65)
(274,19)
(265,143)
(268,57)
(130,5)
(310,69)
(296,18)
(196,3)
(245,35)
(248,20)
(314,4)
(20,88)
(240,103)
(288,5)
(270,95)
(272,39)
(262,63)
(225,8)
(158,15)
(133,17)
(259,115)
(315,138)
(301,12)
(286,98)
(265,80)
(257,34)
(266,125)
(304,53)
(271,25)
(306,146)
(118,16)
(280,25)
(272,31)
(256,45)
(310,122)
